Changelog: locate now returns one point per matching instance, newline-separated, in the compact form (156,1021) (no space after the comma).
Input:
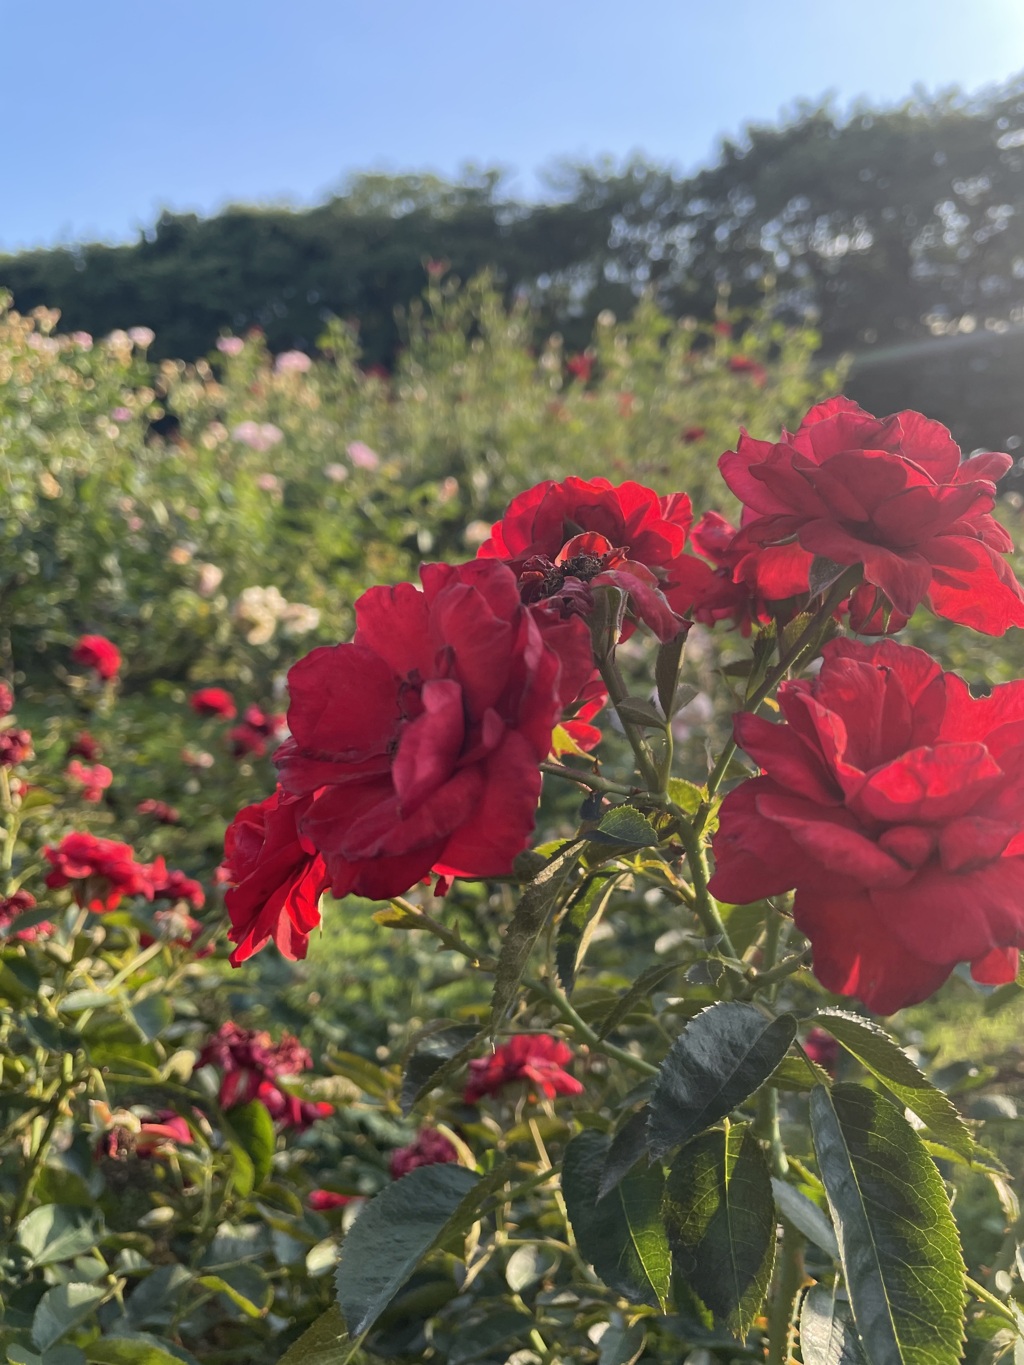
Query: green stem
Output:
(704,903)
(785,968)
(449,937)
(583,1029)
(805,645)
(589,780)
(654,780)
(987,1297)
(790,1277)
(38,1156)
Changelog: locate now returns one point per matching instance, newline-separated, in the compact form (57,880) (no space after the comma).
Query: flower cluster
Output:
(538,1059)
(252,1067)
(103,871)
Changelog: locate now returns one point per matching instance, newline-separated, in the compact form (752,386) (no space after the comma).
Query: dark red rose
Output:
(580,367)
(171,885)
(213,701)
(252,1064)
(6,699)
(693,434)
(321,1201)
(99,654)
(93,780)
(889,494)
(11,907)
(244,740)
(288,1111)
(84,746)
(15,747)
(278,878)
(537,1058)
(100,870)
(159,810)
(417,747)
(589,702)
(756,372)
(564,539)
(166,1128)
(748,585)
(429,1148)
(264,722)
(893,802)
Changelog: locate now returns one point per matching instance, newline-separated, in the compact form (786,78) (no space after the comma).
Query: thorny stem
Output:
(597,1044)
(654,780)
(790,1278)
(450,938)
(987,1297)
(703,902)
(590,780)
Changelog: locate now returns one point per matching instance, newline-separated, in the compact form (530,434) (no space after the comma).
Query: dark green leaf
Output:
(457,1041)
(55,1232)
(576,926)
(720,1217)
(805,1215)
(898,1242)
(628,1146)
(641,988)
(152,1016)
(799,1073)
(130,1351)
(827,1333)
(666,670)
(253,1128)
(529,1264)
(396,1230)
(62,1308)
(483,1337)
(884,1058)
(640,711)
(624,827)
(823,573)
(717,1062)
(621,1345)
(622,1235)
(320,1344)
(529,918)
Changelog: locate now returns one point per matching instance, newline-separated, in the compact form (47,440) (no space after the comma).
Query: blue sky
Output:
(116,109)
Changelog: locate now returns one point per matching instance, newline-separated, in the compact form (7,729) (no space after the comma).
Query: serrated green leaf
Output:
(641,988)
(622,1235)
(528,919)
(884,1058)
(626,827)
(827,1333)
(720,1216)
(395,1230)
(321,1344)
(576,926)
(686,795)
(55,1232)
(898,1243)
(722,1056)
(253,1128)
(628,1146)
(64,1307)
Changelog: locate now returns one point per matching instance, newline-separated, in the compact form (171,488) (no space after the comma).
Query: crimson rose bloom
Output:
(172,885)
(159,810)
(84,746)
(99,654)
(11,907)
(745,580)
(538,1058)
(893,802)
(564,539)
(321,1201)
(101,871)
(213,701)
(892,495)
(93,780)
(417,747)
(15,747)
(278,878)
(429,1148)
(252,1065)
(6,699)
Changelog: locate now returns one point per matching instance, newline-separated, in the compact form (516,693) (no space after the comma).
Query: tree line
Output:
(897,232)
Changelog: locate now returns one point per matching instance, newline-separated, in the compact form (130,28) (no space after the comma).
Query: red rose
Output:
(822,1048)
(14,905)
(84,746)
(745,580)
(166,1128)
(213,701)
(417,747)
(244,740)
(893,802)
(742,364)
(252,1065)
(101,871)
(15,747)
(537,1058)
(159,810)
(6,699)
(263,722)
(278,878)
(172,885)
(99,654)
(320,1201)
(580,367)
(889,494)
(564,539)
(94,781)
(429,1148)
